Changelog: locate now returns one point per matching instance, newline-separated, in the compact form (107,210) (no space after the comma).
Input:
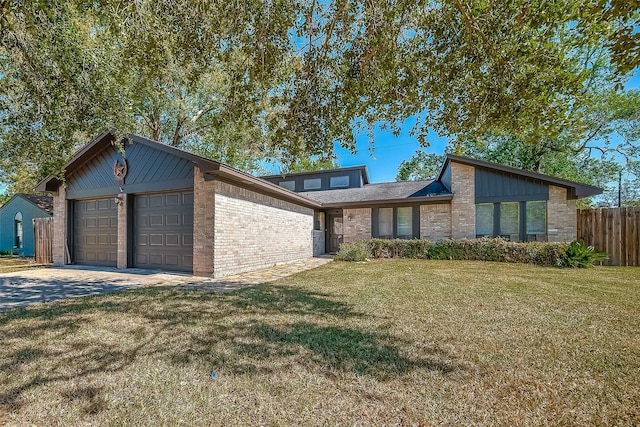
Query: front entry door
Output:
(335,232)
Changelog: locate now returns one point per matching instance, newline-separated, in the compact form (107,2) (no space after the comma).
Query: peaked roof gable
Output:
(210,168)
(579,189)
(44,203)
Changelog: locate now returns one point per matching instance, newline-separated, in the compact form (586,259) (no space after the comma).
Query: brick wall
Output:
(561,216)
(254,231)
(435,221)
(356,224)
(122,232)
(59,227)
(203,223)
(463,208)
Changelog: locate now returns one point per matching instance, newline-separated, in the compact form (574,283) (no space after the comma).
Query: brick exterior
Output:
(59,227)
(561,216)
(435,221)
(254,231)
(356,224)
(463,208)
(203,223)
(122,232)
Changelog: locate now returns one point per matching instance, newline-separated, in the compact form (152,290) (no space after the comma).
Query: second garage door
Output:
(163,231)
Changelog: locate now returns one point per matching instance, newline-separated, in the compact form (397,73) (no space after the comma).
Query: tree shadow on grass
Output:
(245,332)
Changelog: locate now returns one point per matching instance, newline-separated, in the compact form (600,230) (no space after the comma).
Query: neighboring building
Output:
(16,222)
(163,208)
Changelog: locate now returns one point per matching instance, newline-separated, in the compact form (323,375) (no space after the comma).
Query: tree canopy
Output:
(247,81)
(608,150)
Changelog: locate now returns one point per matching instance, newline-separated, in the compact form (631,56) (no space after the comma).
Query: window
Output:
(516,221)
(339,181)
(385,223)
(510,221)
(405,223)
(18,230)
(289,185)
(484,219)
(312,184)
(399,223)
(318,221)
(537,220)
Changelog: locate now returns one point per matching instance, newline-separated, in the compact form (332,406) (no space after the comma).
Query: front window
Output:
(405,223)
(18,230)
(510,221)
(484,219)
(537,220)
(385,223)
(516,221)
(390,223)
(318,221)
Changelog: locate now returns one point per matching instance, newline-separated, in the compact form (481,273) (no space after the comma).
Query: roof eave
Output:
(582,190)
(259,184)
(405,200)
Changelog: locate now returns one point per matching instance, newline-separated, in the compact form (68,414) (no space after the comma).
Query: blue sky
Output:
(390,151)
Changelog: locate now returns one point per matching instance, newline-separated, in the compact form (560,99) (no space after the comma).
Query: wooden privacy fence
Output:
(43,239)
(615,231)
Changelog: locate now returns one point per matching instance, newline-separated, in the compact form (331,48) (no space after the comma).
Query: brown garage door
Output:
(95,235)
(163,231)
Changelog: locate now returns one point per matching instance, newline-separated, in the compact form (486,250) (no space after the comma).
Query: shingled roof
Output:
(43,202)
(384,193)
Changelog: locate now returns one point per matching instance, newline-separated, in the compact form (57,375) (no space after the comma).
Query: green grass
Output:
(10,264)
(387,342)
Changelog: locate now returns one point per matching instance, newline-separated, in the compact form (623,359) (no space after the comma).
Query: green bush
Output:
(578,255)
(358,251)
(5,253)
(485,249)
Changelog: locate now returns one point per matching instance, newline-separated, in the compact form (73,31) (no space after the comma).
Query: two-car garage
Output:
(160,231)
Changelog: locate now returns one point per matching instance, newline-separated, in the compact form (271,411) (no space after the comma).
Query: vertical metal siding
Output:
(149,169)
(491,186)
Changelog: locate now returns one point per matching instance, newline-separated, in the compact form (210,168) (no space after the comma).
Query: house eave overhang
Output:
(404,200)
(238,177)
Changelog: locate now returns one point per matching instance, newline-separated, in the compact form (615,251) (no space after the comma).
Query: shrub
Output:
(579,255)
(485,249)
(5,253)
(358,251)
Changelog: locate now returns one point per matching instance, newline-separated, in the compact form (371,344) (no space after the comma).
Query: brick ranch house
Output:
(157,207)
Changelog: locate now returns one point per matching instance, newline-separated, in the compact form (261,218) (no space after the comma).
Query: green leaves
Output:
(288,79)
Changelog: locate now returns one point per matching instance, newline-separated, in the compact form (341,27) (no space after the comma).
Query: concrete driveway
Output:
(27,287)
(22,288)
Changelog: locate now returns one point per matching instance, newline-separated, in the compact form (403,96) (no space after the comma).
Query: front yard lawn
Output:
(407,342)
(9,264)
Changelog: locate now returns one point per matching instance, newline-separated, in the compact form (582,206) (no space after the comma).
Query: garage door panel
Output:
(95,238)
(164,231)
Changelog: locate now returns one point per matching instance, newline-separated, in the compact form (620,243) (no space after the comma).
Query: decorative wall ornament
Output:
(120,169)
